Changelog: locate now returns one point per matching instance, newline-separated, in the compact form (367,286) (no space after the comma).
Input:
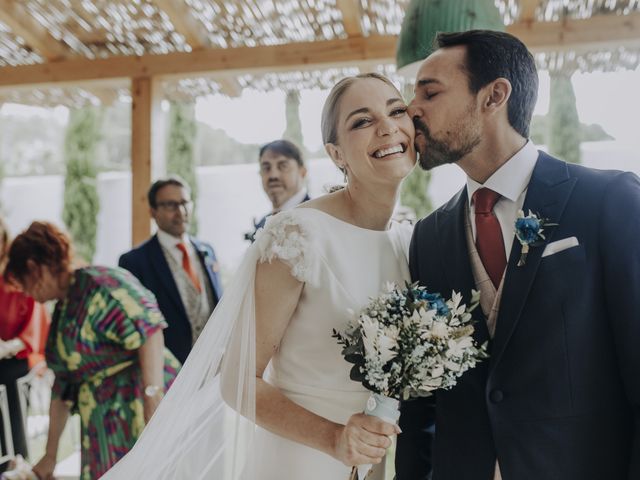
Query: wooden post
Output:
(147,151)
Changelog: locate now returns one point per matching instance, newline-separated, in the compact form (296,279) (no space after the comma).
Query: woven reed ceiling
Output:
(40,31)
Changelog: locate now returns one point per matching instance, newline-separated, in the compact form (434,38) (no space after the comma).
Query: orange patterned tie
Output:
(489,234)
(186,265)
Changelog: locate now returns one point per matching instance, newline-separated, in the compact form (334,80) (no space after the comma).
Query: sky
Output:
(610,99)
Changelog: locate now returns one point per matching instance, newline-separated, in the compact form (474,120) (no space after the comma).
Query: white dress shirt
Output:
(197,304)
(294,201)
(510,181)
(170,244)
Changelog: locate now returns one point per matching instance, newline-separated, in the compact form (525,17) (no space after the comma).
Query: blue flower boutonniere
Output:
(529,232)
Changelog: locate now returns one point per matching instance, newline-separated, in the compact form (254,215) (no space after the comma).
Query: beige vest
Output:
(489,296)
(198,305)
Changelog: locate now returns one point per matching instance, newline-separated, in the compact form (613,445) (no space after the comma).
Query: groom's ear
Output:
(496,94)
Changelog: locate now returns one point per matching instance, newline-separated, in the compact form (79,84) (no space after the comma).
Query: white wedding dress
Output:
(342,266)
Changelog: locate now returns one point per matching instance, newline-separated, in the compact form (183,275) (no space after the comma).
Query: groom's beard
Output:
(434,153)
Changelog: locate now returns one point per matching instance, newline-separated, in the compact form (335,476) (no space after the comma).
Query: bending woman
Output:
(105,347)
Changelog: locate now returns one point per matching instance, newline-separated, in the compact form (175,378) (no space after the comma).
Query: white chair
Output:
(34,393)
(6,452)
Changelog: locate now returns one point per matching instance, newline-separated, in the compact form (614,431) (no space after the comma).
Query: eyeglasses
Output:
(283,166)
(173,206)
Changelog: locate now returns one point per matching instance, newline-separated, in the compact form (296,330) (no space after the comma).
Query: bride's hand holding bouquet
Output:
(407,343)
(364,440)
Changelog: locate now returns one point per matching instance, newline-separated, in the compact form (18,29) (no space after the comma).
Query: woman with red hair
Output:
(24,325)
(105,347)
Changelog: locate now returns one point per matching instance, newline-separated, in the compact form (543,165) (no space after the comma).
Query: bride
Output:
(266,393)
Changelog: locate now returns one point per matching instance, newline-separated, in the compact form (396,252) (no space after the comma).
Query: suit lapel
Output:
(163,272)
(457,268)
(547,194)
(208,264)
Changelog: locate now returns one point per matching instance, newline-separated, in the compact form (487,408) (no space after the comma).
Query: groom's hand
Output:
(363,440)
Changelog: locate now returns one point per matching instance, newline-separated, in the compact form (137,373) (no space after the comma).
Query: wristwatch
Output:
(152,390)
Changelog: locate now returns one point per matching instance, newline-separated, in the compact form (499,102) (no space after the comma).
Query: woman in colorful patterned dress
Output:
(105,347)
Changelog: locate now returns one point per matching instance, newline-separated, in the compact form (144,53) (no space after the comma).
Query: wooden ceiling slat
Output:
(351,16)
(22,24)
(528,10)
(597,32)
(107,96)
(229,86)
(183,21)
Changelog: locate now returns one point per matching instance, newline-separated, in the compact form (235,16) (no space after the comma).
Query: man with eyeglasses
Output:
(179,269)
(283,175)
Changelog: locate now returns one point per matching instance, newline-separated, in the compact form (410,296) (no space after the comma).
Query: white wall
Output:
(230,197)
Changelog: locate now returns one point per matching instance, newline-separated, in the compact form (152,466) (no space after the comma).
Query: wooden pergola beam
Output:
(147,147)
(351,17)
(598,32)
(185,24)
(527,11)
(287,57)
(35,35)
(603,31)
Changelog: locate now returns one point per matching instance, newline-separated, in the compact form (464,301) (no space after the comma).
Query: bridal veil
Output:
(194,433)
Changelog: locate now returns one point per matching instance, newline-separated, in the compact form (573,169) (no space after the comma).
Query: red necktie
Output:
(489,235)
(186,266)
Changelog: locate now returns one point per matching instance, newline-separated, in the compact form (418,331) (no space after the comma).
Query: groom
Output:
(559,397)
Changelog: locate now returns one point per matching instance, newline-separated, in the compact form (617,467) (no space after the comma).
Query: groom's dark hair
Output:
(491,54)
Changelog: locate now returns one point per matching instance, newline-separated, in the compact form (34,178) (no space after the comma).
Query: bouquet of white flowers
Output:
(406,344)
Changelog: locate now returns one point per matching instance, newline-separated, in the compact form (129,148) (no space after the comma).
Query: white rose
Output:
(439,330)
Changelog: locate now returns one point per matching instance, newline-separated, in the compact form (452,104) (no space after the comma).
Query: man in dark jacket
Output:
(179,269)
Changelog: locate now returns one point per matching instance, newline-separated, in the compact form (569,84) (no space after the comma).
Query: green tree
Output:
(180,150)
(414,193)
(214,147)
(293,130)
(81,202)
(564,124)
(539,132)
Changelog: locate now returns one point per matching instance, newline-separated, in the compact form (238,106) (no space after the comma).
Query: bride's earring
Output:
(344,172)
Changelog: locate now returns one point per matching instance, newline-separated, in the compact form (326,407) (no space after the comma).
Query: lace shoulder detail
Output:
(286,237)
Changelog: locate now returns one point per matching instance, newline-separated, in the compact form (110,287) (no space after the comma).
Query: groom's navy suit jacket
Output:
(559,397)
(148,263)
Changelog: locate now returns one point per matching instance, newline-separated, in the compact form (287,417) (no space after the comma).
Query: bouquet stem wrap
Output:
(385,408)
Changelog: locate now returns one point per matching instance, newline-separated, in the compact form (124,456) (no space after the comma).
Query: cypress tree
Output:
(180,151)
(81,202)
(414,193)
(293,130)
(564,124)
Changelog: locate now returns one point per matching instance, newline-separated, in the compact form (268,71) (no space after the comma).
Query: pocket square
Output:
(560,245)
